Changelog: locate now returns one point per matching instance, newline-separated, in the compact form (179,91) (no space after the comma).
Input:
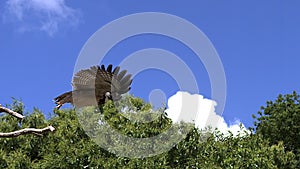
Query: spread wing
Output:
(103,80)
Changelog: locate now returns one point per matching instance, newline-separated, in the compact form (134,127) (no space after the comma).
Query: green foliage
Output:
(279,121)
(73,144)
(218,151)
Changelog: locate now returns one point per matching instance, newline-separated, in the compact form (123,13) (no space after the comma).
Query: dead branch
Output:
(7,110)
(23,131)
(27,131)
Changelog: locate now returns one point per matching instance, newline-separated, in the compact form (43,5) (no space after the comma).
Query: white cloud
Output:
(199,110)
(43,15)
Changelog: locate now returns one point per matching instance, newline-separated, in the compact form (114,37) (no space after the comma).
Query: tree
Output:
(18,152)
(219,151)
(71,147)
(17,132)
(279,121)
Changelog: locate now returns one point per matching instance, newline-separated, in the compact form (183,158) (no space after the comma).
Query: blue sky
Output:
(257,42)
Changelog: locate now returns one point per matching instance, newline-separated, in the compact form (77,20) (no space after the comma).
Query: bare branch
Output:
(7,110)
(23,131)
(28,131)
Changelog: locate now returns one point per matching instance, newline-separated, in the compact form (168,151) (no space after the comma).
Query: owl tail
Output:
(64,98)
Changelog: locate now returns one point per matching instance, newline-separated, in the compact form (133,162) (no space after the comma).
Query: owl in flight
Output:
(95,86)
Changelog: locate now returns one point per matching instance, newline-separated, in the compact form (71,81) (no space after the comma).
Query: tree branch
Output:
(22,131)
(27,131)
(7,110)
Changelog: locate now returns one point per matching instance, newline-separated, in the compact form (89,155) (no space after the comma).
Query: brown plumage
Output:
(95,86)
